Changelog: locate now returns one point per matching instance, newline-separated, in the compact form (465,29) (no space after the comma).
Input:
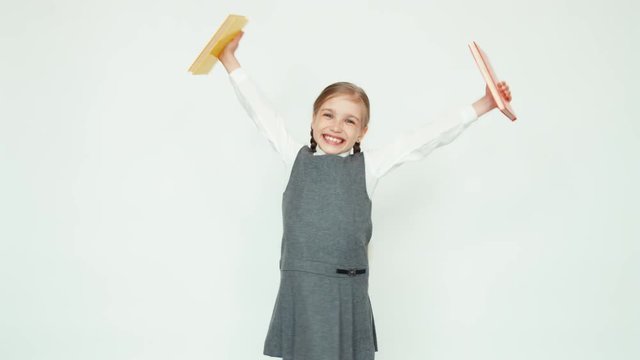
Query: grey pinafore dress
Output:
(320,313)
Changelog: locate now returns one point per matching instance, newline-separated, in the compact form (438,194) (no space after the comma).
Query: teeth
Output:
(334,140)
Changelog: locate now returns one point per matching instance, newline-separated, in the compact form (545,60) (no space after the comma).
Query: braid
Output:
(356,147)
(313,142)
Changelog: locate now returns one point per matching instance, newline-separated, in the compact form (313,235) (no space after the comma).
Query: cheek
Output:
(321,124)
(316,122)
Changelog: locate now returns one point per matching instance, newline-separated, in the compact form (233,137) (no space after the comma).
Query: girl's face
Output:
(339,118)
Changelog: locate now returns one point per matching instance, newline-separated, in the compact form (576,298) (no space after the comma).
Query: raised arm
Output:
(270,124)
(419,143)
(438,132)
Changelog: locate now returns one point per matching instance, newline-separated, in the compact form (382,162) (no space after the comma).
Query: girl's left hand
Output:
(487,103)
(503,89)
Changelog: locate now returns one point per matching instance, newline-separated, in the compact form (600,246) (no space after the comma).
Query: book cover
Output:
(225,33)
(491,79)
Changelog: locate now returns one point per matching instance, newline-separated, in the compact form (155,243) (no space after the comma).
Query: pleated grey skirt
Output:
(322,317)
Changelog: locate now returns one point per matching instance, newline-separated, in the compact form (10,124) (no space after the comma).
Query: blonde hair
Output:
(344,88)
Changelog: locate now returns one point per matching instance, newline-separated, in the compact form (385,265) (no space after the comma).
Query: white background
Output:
(140,207)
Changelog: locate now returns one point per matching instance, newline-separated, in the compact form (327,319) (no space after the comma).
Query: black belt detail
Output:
(351,272)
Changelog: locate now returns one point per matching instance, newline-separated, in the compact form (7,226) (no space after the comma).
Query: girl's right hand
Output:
(227,55)
(230,49)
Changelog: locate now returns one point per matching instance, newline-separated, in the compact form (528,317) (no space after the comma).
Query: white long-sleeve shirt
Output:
(379,161)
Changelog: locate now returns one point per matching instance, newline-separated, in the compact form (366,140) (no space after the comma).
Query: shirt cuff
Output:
(468,114)
(238,74)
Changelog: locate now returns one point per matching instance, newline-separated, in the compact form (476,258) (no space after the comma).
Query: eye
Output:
(329,115)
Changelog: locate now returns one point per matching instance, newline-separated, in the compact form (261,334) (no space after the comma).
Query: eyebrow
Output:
(331,110)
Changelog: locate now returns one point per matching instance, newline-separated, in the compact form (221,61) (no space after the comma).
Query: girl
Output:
(322,310)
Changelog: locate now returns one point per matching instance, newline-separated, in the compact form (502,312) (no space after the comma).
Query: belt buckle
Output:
(352,272)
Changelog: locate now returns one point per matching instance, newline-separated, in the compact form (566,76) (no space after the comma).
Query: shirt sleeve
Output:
(418,144)
(268,121)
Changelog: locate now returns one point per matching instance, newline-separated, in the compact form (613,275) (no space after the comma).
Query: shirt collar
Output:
(320,152)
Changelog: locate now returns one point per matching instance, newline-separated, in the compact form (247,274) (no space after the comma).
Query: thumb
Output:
(240,34)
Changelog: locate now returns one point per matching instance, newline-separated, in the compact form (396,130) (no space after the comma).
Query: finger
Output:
(238,36)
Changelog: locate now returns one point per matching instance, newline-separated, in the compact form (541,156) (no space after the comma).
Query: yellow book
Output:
(225,33)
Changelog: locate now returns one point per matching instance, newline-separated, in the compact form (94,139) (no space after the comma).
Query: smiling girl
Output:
(322,309)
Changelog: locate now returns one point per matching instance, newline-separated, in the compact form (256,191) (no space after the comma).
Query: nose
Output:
(336,125)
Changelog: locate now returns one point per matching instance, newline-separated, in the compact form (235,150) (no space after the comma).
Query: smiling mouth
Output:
(332,139)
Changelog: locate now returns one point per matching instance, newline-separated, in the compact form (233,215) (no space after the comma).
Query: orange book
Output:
(491,79)
(225,33)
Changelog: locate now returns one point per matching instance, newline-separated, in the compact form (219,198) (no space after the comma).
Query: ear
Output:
(363,132)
